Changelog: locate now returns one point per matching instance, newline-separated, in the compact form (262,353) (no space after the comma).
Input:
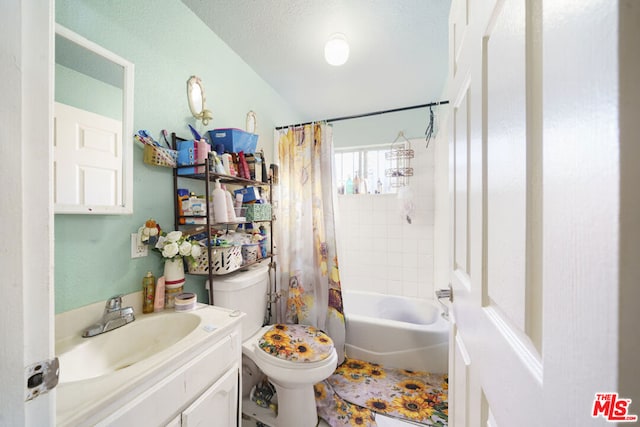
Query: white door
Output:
(87,160)
(534,154)
(26,209)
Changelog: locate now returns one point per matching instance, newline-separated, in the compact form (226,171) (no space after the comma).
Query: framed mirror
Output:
(251,122)
(93,123)
(197,100)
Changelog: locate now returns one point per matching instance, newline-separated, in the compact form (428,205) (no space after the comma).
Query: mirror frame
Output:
(127,129)
(200,113)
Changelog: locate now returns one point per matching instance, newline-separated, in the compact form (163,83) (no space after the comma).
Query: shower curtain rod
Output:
(375,113)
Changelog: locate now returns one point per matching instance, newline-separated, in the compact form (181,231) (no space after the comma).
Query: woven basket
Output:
(225,260)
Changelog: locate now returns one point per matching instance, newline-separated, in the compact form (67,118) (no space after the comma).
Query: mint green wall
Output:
(167,43)
(71,88)
(383,128)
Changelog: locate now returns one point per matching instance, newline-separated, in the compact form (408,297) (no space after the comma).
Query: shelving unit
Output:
(208,177)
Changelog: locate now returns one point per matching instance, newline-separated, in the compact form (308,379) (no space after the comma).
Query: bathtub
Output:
(396,331)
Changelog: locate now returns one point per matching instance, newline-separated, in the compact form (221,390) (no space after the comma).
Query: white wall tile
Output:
(383,253)
(409,289)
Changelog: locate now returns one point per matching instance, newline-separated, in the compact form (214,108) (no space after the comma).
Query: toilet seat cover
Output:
(296,343)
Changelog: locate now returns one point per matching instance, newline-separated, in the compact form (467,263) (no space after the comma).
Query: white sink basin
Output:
(85,358)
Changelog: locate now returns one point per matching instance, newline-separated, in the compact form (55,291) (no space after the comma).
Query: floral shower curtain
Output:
(307,254)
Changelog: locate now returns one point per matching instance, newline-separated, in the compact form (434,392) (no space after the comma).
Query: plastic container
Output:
(186,301)
(250,253)
(171,291)
(234,140)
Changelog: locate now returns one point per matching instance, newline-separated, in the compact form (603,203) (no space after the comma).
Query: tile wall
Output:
(379,251)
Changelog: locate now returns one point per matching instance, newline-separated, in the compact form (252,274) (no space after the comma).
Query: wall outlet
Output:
(138,249)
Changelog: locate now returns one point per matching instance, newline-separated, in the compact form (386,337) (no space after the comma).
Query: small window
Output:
(361,170)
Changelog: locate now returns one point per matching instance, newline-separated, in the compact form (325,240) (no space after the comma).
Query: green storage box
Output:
(258,212)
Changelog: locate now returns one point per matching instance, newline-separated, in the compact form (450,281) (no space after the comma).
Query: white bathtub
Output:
(396,331)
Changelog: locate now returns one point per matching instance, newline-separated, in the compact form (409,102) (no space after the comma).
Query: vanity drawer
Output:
(166,399)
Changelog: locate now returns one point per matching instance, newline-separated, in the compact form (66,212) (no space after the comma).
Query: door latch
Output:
(41,377)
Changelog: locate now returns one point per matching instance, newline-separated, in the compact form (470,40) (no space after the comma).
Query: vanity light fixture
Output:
(197,100)
(336,50)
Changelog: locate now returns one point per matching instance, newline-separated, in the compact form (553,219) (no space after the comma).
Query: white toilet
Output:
(293,357)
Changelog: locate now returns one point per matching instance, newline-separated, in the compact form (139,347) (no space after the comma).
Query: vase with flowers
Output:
(175,247)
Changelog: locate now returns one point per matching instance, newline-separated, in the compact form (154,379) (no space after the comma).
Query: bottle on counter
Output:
(159,298)
(356,185)
(148,292)
(348,188)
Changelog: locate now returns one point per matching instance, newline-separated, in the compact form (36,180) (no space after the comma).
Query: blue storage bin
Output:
(234,140)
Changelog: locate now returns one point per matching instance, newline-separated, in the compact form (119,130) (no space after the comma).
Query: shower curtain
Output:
(306,242)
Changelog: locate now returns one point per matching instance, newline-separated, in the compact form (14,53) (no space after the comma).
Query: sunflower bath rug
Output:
(419,397)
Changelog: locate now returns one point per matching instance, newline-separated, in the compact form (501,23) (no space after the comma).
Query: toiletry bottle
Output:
(348,188)
(265,175)
(219,203)
(238,205)
(231,213)
(158,304)
(148,293)
(226,160)
(258,167)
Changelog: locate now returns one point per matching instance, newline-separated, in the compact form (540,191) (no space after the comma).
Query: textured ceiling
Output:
(398,50)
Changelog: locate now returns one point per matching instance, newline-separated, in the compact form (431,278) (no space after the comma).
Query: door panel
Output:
(506,143)
(461,365)
(532,143)
(461,143)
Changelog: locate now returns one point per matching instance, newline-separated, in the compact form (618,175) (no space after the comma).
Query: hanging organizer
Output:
(400,157)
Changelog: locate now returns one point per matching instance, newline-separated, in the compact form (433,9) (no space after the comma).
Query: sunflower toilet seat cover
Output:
(296,343)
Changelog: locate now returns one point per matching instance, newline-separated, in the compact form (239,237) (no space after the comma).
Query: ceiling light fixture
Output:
(336,50)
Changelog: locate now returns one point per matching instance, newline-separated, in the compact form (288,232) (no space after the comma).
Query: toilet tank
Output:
(245,291)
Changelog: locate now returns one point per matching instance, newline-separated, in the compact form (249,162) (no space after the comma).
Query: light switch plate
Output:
(138,249)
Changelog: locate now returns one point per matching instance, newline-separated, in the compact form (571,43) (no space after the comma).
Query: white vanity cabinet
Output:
(202,391)
(194,381)
(216,407)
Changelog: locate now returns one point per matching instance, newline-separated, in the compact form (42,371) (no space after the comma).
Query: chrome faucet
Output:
(442,294)
(113,317)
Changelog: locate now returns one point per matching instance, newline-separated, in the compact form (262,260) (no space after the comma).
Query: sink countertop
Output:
(79,402)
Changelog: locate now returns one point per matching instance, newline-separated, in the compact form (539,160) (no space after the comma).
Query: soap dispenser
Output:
(219,203)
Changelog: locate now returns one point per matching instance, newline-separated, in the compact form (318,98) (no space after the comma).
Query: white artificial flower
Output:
(160,243)
(174,236)
(185,248)
(170,250)
(196,251)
